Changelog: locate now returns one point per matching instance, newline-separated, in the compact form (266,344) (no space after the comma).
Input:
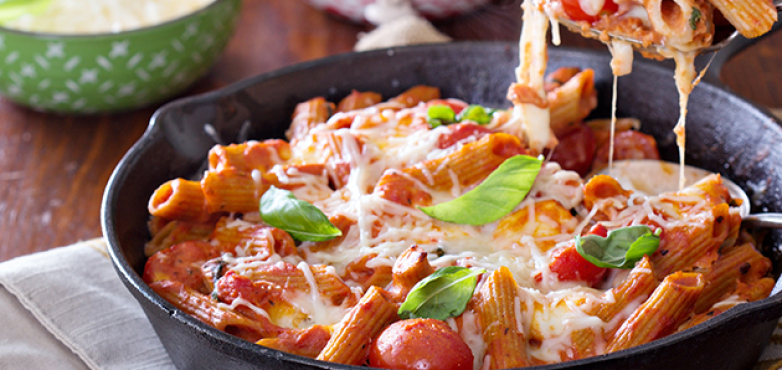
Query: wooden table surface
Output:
(53,168)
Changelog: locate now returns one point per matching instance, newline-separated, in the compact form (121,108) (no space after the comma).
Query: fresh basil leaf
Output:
(441,295)
(495,197)
(280,208)
(477,114)
(439,115)
(622,248)
(695,17)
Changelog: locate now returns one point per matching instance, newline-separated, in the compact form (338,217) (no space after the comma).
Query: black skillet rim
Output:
(153,132)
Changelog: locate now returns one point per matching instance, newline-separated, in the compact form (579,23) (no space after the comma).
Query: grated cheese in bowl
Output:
(103,16)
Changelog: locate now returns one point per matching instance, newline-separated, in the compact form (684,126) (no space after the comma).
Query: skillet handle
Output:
(731,50)
(766,220)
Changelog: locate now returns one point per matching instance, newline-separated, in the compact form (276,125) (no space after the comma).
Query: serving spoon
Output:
(639,45)
(653,177)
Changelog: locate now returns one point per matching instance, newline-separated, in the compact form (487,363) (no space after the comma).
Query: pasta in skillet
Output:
(377,220)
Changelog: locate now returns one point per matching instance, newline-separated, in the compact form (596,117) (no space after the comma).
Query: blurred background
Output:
(53,167)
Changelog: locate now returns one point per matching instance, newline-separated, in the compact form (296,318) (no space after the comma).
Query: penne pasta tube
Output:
(572,101)
(410,268)
(745,293)
(249,156)
(359,100)
(207,311)
(308,115)
(741,263)
(505,342)
(666,309)
(637,286)
(180,263)
(685,24)
(179,200)
(757,290)
(582,345)
(231,190)
(350,343)
(751,18)
(416,95)
(693,246)
(176,232)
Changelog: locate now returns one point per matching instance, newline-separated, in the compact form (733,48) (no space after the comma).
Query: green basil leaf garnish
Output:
(495,197)
(439,115)
(695,17)
(477,114)
(441,295)
(622,248)
(305,222)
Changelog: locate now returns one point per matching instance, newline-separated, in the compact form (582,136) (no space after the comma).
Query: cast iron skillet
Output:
(725,134)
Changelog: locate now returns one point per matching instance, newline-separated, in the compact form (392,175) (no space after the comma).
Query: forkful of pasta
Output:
(659,27)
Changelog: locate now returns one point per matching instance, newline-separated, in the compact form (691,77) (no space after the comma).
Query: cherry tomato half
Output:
(570,266)
(574,11)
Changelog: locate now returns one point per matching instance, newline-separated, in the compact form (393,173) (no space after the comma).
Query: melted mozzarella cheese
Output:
(243,302)
(684,76)
(637,11)
(473,335)
(532,121)
(317,308)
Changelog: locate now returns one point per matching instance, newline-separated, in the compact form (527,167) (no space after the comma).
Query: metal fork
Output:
(638,45)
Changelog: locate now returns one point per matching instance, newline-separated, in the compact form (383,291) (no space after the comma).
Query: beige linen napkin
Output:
(67,309)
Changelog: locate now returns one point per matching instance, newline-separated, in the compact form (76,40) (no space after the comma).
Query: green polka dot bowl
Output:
(110,72)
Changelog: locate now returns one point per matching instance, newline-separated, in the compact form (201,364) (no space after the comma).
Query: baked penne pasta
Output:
(318,245)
